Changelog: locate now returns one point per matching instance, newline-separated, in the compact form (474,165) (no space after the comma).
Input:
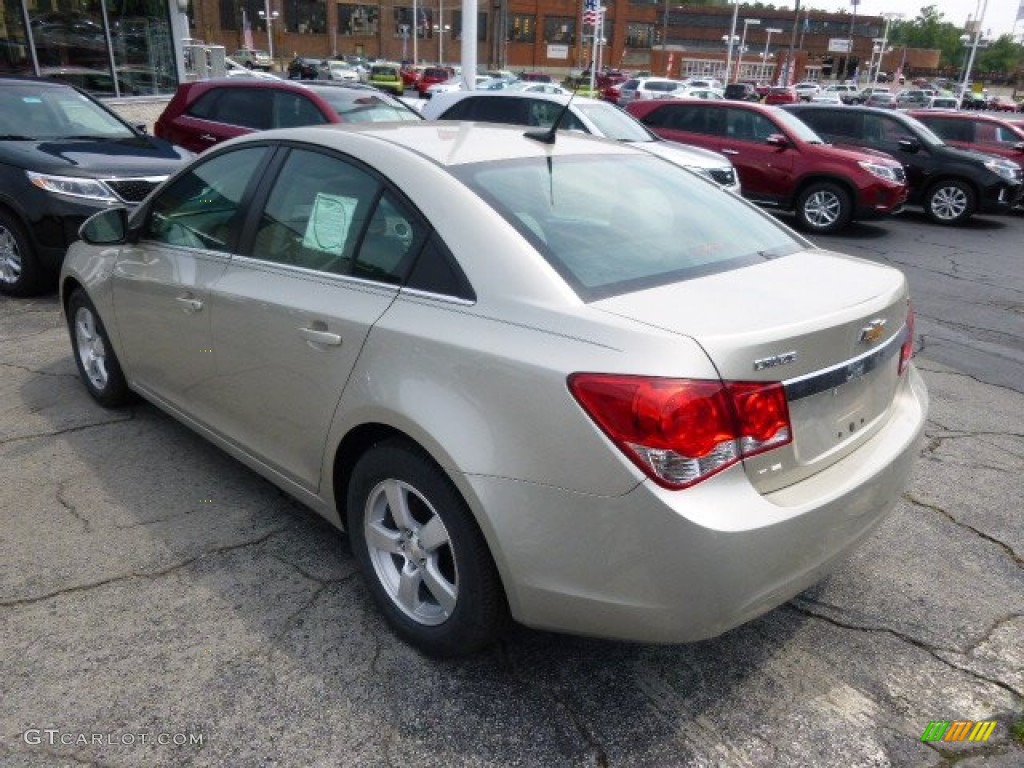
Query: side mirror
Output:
(909,145)
(777,140)
(141,128)
(109,227)
(1019,146)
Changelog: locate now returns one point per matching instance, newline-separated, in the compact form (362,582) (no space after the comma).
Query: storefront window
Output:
(72,46)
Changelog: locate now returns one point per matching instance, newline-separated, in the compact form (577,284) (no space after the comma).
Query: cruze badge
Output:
(775,360)
(872,332)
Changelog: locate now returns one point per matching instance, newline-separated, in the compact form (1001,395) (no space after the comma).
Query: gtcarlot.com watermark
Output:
(54,737)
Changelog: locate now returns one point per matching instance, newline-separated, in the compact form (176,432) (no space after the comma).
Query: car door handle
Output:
(320,336)
(208,137)
(190,304)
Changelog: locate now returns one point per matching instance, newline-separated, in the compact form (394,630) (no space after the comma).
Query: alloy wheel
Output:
(92,352)
(411,552)
(10,257)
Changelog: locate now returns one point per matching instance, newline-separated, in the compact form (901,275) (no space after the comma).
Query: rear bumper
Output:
(662,566)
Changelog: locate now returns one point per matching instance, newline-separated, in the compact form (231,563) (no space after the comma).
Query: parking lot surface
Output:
(161,605)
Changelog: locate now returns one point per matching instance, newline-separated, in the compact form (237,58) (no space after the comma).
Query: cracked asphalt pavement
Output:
(160,605)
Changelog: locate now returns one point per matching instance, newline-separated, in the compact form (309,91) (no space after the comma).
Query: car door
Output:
(329,245)
(884,133)
(161,285)
(221,114)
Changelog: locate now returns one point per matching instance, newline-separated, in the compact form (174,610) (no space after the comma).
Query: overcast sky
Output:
(999,16)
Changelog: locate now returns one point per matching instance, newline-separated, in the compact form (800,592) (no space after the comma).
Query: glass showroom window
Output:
(71,45)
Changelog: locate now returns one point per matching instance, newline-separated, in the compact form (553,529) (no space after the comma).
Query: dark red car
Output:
(781,162)
(976,130)
(432,76)
(411,75)
(782,95)
(207,112)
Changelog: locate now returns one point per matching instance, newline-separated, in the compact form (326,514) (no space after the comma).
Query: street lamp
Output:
(979,20)
(885,39)
(268,16)
(768,32)
(743,44)
(730,40)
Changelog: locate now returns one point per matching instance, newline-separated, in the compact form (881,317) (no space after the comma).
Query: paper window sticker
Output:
(329,223)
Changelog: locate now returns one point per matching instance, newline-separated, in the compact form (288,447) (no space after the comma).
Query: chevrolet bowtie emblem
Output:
(872,332)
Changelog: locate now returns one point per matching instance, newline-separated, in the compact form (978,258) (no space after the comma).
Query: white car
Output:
(806,90)
(593,116)
(339,71)
(234,69)
(526,86)
(691,92)
(455,84)
(640,88)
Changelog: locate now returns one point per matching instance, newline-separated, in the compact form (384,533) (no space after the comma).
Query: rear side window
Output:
(293,109)
(485,110)
(247,107)
(833,123)
(952,129)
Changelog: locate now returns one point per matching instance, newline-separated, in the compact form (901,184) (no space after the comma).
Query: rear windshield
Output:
(671,226)
(367,106)
(613,123)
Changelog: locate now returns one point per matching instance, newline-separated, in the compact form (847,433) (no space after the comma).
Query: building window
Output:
(358,20)
(560,29)
(424,25)
(305,16)
(481,26)
(639,35)
(522,28)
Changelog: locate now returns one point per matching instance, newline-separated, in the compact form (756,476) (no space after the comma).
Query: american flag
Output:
(592,12)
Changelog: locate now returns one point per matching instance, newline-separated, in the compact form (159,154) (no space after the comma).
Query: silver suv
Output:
(598,118)
(253,58)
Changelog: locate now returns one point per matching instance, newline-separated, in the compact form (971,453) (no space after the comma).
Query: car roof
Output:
(446,144)
(559,98)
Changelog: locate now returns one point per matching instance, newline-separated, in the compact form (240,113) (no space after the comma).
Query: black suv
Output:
(951,184)
(64,156)
(741,92)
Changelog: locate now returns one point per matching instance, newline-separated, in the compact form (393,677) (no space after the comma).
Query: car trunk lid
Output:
(828,326)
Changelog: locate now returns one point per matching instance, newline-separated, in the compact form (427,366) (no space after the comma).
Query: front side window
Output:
(201,209)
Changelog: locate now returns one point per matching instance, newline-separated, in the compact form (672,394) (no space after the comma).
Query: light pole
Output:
(743,44)
(768,32)
(974,50)
(268,15)
(885,39)
(730,42)
(731,38)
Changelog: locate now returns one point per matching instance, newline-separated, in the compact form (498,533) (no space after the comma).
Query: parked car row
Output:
(829,164)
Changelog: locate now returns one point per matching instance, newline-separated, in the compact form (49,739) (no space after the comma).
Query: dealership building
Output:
(135,48)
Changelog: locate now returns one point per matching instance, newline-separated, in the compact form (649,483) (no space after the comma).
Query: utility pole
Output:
(792,46)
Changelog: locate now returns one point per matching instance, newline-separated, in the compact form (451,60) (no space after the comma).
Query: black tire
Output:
(427,566)
(823,207)
(97,364)
(21,274)
(950,201)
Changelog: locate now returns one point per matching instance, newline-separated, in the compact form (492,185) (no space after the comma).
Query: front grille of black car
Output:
(724,176)
(133,190)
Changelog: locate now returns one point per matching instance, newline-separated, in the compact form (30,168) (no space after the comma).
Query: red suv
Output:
(975,130)
(207,112)
(781,162)
(782,95)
